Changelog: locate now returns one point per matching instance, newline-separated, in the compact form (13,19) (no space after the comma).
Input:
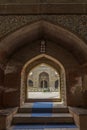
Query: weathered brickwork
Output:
(74,23)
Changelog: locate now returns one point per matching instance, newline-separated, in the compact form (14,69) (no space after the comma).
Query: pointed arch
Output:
(43,58)
(45,30)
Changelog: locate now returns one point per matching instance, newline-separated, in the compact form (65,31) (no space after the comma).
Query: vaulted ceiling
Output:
(43,30)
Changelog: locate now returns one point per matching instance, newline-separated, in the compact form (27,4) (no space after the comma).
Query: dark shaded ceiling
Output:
(48,31)
(43,1)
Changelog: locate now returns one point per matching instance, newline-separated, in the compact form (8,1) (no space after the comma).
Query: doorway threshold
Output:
(43,100)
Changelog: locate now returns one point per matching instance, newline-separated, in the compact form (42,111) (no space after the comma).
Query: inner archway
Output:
(43,82)
(48,61)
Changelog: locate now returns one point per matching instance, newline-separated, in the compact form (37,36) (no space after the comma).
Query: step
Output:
(22,118)
(43,110)
(28,108)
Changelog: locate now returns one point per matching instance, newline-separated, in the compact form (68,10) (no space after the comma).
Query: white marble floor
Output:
(43,95)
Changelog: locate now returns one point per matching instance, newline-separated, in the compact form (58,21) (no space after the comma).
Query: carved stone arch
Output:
(50,61)
(38,31)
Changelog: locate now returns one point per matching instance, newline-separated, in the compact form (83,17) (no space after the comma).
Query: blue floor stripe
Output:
(41,114)
(41,109)
(43,105)
(41,127)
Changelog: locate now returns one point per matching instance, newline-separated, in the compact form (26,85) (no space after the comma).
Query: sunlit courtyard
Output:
(43,95)
(43,82)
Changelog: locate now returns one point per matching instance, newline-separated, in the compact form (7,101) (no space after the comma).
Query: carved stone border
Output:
(44,8)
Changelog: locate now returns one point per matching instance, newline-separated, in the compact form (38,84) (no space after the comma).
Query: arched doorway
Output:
(43,77)
(23,46)
(43,84)
(44,80)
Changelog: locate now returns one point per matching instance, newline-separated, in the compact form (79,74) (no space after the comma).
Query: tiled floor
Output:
(45,127)
(43,95)
(63,129)
(49,129)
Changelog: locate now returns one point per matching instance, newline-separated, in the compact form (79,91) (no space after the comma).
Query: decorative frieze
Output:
(74,23)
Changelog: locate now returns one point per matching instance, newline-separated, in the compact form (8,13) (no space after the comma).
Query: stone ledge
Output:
(6,112)
(78,111)
(6,116)
(44,8)
(80,117)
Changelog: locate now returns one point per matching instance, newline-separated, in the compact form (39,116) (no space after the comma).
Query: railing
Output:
(34,89)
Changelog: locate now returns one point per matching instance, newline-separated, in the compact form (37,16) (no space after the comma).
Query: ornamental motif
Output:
(74,23)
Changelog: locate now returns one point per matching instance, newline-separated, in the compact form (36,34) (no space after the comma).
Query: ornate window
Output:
(43,46)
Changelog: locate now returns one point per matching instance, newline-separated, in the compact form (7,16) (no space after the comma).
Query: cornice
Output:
(43,8)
